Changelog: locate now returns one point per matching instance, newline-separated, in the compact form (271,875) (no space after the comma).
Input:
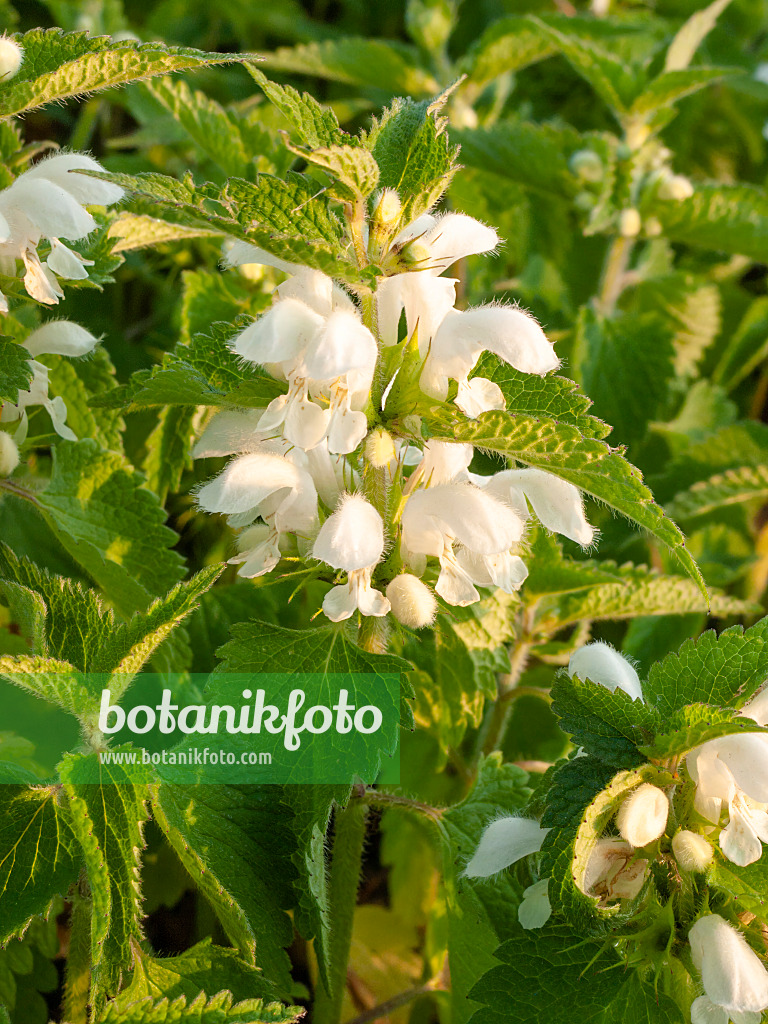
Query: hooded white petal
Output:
(229,432)
(438,515)
(757,709)
(445,462)
(240,253)
(60,337)
(557,503)
(452,236)
(425,298)
(503,842)
(342,345)
(600,663)
(280,336)
(353,537)
(731,972)
(479,395)
(66,263)
(62,170)
(52,210)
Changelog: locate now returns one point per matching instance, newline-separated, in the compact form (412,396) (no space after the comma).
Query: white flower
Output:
(734,978)
(412,601)
(266,484)
(430,244)
(733,770)
(47,201)
(504,842)
(643,815)
(352,539)
(319,345)
(612,872)
(557,503)
(58,337)
(600,663)
(436,518)
(535,910)
(757,709)
(692,851)
(463,336)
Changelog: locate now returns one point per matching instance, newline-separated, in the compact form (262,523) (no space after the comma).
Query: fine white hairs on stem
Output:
(600,663)
(504,842)
(643,815)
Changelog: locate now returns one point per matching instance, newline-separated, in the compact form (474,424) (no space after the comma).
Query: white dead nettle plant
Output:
(57,337)
(461,530)
(49,202)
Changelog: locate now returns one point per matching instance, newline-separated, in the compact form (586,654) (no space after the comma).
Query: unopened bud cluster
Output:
(322,473)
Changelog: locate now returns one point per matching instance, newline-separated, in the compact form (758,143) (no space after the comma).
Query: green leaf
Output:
(168,449)
(413,152)
(575,980)
(15,371)
(724,670)
(613,80)
(139,231)
(747,885)
(535,155)
(218,1009)
(316,125)
(112,526)
(384,64)
(288,208)
(747,347)
(76,381)
(693,725)
(551,573)
(39,856)
(203,968)
(692,34)
(560,449)
(65,621)
(634,590)
(692,308)
(725,218)
(354,169)
(508,44)
(625,364)
(213,129)
(731,447)
(247,879)
(608,724)
(671,86)
(108,805)
(58,65)
(730,488)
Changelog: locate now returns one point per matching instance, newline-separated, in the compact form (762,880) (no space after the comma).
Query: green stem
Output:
(614,269)
(401,999)
(495,725)
(78,972)
(342,898)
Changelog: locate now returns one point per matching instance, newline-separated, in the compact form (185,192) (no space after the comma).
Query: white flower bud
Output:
(629,223)
(587,165)
(413,603)
(11,56)
(417,254)
(9,454)
(653,227)
(734,978)
(388,208)
(692,851)
(505,841)
(601,664)
(380,448)
(642,817)
(675,186)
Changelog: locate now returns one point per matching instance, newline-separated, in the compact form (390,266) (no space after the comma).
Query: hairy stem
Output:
(614,272)
(342,898)
(495,725)
(78,972)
